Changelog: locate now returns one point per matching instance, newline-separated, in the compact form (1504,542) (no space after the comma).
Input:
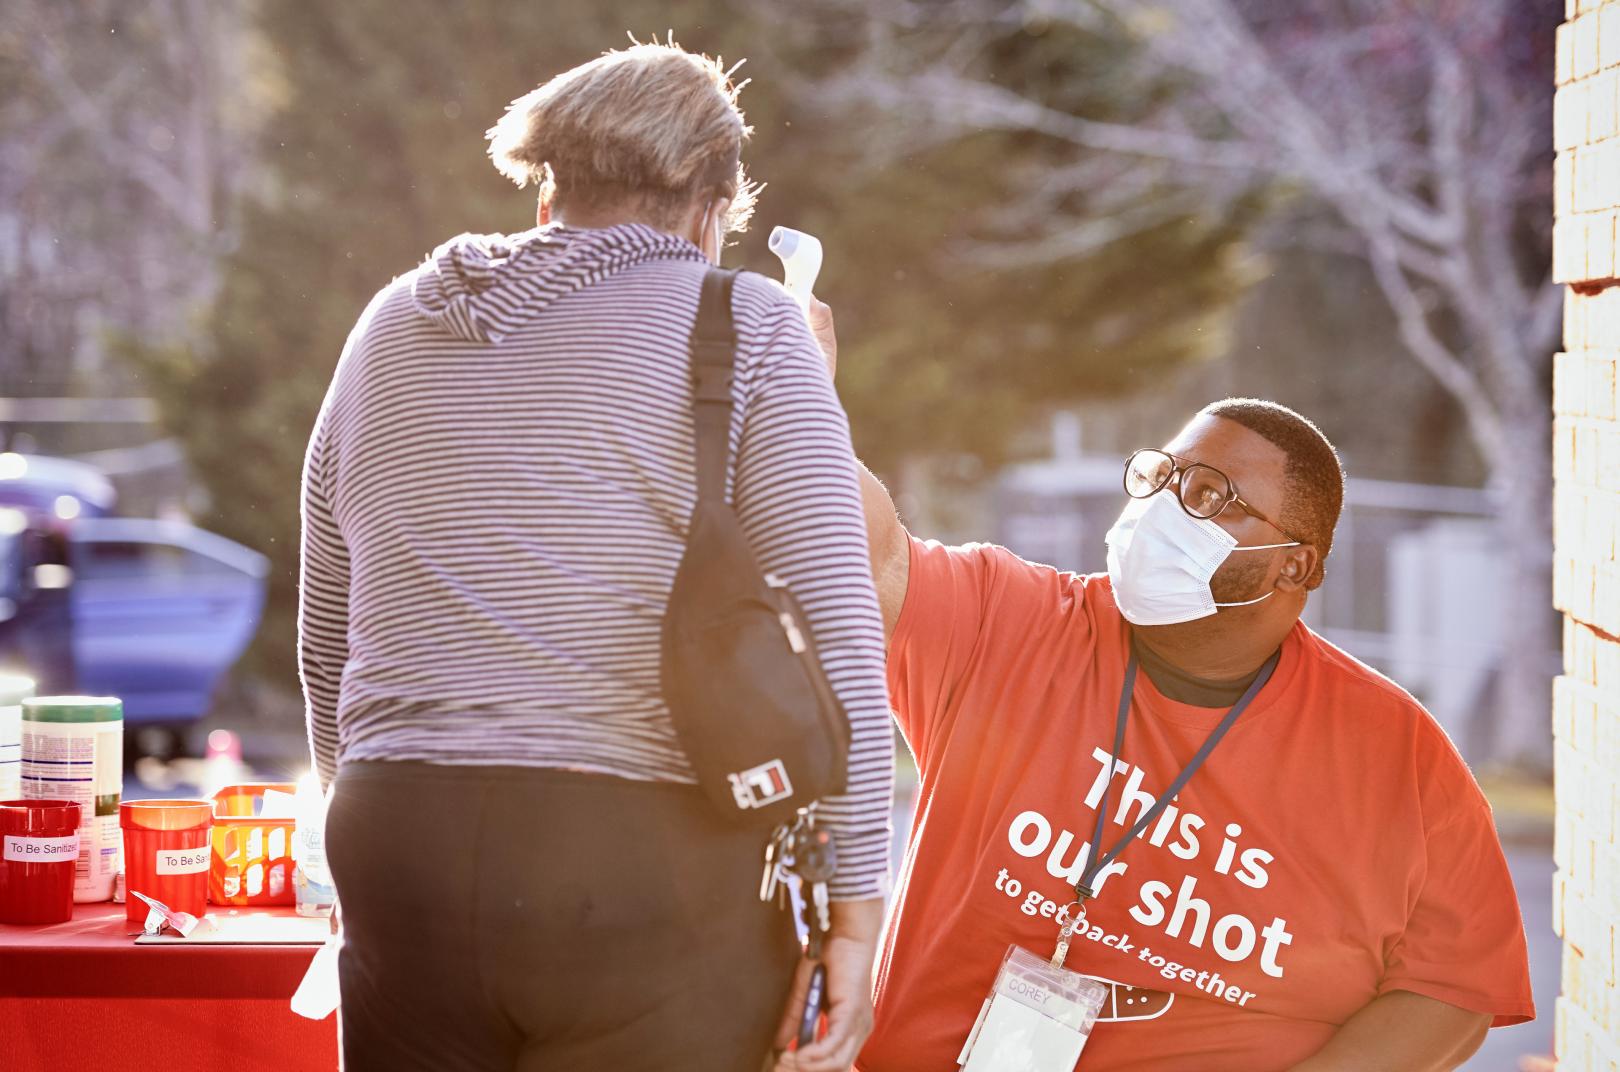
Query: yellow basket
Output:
(252,863)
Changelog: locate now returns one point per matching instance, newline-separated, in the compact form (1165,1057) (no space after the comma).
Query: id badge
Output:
(1036,1019)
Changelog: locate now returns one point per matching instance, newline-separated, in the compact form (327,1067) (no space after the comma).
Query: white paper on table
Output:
(249,928)
(317,996)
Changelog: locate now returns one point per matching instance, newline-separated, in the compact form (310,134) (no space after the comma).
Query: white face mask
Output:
(1161,558)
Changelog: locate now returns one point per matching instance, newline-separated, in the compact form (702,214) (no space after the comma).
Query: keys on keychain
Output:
(808,852)
(778,851)
(800,848)
(815,861)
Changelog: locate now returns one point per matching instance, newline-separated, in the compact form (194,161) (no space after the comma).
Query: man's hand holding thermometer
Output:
(800,254)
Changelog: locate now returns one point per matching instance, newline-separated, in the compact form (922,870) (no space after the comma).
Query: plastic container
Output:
(73,749)
(314,893)
(37,862)
(166,854)
(252,861)
(13,691)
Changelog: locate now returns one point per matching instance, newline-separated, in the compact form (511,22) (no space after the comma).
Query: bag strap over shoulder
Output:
(714,351)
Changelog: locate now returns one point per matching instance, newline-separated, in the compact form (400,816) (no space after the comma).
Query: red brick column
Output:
(1586,580)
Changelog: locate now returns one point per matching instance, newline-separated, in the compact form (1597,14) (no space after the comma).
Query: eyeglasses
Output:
(1204,491)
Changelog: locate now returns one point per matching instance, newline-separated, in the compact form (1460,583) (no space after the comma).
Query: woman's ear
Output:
(712,228)
(542,214)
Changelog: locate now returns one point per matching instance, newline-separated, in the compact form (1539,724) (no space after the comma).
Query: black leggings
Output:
(520,919)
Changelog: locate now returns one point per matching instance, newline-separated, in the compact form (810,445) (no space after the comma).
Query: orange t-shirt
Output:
(1334,847)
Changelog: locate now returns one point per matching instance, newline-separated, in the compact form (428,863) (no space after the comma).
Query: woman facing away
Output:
(495,502)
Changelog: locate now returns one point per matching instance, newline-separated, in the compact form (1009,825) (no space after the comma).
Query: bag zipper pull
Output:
(795,636)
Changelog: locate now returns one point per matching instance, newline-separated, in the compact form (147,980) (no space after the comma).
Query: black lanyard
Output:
(1084,890)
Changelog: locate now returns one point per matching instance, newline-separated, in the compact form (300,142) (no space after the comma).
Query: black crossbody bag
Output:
(751,704)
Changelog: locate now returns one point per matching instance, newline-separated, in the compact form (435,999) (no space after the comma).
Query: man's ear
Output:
(1299,564)
(542,214)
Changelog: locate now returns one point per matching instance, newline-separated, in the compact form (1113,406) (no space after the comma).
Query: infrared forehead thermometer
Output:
(800,254)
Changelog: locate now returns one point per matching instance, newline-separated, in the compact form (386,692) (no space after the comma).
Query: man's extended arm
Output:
(890,545)
(1402,1032)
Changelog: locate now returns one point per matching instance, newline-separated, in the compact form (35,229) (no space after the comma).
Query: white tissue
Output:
(317,996)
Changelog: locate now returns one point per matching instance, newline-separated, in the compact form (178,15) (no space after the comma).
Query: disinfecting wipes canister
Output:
(13,691)
(73,749)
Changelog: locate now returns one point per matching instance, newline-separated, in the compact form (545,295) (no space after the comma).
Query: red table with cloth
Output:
(83,996)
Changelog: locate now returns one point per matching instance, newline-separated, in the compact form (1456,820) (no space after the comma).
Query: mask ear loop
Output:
(1260,547)
(1250,602)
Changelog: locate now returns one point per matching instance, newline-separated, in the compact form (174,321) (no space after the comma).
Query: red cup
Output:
(40,852)
(166,854)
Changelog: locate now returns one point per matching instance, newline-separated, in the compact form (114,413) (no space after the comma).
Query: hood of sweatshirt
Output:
(483,287)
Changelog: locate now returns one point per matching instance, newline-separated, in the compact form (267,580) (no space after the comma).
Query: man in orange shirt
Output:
(1324,891)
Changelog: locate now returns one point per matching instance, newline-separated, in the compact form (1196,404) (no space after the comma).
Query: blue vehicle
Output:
(152,611)
(161,609)
(57,489)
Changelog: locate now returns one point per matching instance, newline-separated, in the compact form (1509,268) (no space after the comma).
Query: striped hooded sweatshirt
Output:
(495,501)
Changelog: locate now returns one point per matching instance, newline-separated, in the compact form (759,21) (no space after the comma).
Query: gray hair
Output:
(651,127)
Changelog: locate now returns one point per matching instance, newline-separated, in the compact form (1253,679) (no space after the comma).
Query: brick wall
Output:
(1586,579)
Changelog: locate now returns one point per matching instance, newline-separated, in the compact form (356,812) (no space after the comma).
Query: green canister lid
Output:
(14,689)
(73,709)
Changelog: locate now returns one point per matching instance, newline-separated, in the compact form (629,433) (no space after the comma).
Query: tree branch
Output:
(89,113)
(1213,43)
(1412,322)
(966,104)
(1450,114)
(1080,239)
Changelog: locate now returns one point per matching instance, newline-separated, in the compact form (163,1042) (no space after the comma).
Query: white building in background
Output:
(1411,587)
